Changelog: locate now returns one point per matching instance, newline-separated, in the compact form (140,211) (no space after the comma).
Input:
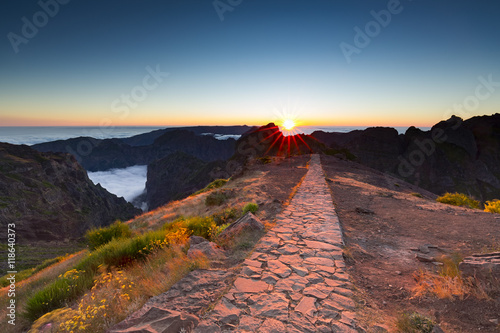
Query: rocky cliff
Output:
(179,175)
(455,155)
(269,141)
(49,196)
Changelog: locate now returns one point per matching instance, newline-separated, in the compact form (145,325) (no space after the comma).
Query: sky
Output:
(228,62)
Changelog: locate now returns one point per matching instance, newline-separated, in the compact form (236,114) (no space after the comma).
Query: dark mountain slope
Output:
(49,196)
(148,138)
(454,156)
(179,175)
(101,155)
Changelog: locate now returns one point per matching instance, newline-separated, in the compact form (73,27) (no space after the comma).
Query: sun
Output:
(288,124)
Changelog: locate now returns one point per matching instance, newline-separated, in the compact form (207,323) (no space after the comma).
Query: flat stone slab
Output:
(320,245)
(320,261)
(249,286)
(307,306)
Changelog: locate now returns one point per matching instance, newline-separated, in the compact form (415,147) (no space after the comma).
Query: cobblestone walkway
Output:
(295,280)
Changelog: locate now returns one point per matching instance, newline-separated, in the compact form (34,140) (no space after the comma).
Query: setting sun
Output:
(289,124)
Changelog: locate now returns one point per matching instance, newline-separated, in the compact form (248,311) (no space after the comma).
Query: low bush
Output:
(100,236)
(492,206)
(414,323)
(418,195)
(458,199)
(216,198)
(197,226)
(250,207)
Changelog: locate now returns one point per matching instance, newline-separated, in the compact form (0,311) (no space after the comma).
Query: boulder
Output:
(194,240)
(209,249)
(247,223)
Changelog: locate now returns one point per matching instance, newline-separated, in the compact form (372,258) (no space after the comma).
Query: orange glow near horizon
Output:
(283,119)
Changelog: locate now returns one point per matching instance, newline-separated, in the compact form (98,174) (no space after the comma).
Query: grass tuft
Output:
(250,207)
(414,323)
(215,184)
(216,198)
(226,216)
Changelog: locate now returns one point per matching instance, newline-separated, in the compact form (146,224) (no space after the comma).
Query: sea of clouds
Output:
(128,183)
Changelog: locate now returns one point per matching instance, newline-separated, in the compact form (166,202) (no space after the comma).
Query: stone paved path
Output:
(295,280)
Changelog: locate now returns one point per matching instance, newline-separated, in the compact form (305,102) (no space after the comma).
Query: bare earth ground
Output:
(383,263)
(270,185)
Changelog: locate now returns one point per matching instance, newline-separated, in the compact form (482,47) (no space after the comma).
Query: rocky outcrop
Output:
(270,141)
(48,196)
(454,156)
(201,245)
(180,307)
(482,266)
(248,223)
(179,175)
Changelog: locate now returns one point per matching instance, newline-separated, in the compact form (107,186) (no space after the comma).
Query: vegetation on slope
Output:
(458,199)
(492,206)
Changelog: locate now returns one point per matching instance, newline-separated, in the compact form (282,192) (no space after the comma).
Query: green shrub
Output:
(66,288)
(250,207)
(226,216)
(216,198)
(101,236)
(418,195)
(492,206)
(414,323)
(215,184)
(458,199)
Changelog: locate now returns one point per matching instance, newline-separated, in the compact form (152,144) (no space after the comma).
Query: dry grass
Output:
(26,288)
(444,287)
(448,282)
(118,293)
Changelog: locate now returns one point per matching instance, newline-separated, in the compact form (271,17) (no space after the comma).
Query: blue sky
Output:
(263,60)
